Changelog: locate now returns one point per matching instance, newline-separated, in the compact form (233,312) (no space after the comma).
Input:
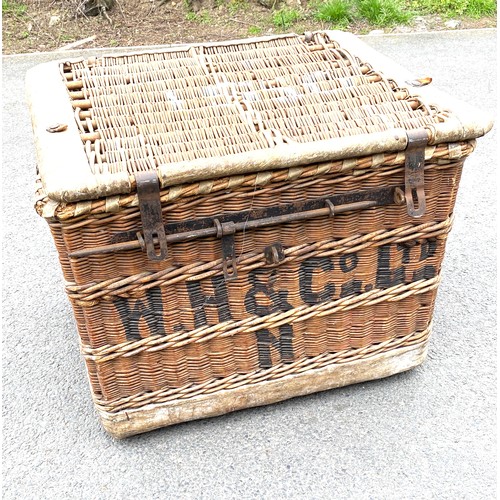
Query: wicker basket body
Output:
(298,256)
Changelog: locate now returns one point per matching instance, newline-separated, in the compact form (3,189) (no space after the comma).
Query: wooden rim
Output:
(154,416)
(67,174)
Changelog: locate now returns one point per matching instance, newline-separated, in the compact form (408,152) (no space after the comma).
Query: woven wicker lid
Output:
(205,111)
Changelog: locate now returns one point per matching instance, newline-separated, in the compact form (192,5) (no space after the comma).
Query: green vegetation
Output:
(254,30)
(383,12)
(14,8)
(199,17)
(337,12)
(284,18)
(237,5)
(450,8)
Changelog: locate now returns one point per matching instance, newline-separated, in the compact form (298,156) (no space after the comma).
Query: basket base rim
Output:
(154,416)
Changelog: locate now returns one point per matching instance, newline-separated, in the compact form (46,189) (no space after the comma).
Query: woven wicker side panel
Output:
(178,306)
(178,365)
(441,184)
(347,283)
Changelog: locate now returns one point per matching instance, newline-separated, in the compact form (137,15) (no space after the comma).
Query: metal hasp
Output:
(225,231)
(414,172)
(153,231)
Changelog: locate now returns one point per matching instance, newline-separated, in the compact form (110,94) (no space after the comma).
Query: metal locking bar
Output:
(153,231)
(225,225)
(414,172)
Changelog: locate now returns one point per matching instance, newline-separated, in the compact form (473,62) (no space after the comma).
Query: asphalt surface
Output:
(428,433)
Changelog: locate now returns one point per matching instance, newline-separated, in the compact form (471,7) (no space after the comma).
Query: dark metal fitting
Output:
(399,196)
(228,228)
(331,206)
(218,227)
(274,254)
(141,241)
(414,172)
(148,194)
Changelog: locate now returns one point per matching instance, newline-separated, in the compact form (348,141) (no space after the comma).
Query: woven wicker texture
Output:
(139,111)
(357,280)
(347,286)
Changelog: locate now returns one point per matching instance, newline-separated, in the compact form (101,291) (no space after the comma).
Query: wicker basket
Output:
(239,223)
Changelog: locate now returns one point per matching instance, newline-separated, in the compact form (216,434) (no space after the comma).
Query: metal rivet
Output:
(58,127)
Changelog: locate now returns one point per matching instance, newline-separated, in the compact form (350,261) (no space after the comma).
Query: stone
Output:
(452,24)
(54,20)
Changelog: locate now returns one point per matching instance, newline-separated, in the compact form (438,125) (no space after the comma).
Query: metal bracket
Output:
(153,237)
(225,231)
(414,172)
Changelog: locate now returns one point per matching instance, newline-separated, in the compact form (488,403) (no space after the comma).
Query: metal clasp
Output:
(148,193)
(225,231)
(414,172)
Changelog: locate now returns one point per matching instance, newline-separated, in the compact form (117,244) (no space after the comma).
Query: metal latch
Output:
(225,231)
(226,225)
(414,172)
(153,236)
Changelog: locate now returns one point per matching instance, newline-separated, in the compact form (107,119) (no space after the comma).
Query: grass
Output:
(284,18)
(199,17)
(451,8)
(337,12)
(15,8)
(382,13)
(237,5)
(254,30)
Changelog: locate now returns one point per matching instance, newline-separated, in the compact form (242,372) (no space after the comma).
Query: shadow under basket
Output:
(243,222)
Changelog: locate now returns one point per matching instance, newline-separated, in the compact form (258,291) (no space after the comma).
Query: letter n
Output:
(266,340)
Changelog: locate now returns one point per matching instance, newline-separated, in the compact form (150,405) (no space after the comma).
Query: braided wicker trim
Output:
(88,295)
(254,324)
(358,166)
(276,372)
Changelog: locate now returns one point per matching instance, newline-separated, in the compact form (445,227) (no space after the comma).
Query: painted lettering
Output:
(307,270)
(199,300)
(348,262)
(351,287)
(284,345)
(149,310)
(427,249)
(263,299)
(387,277)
